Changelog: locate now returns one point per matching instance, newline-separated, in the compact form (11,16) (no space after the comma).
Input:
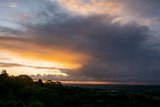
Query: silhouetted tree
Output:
(2,104)
(40,82)
(36,104)
(19,104)
(48,82)
(25,80)
(58,83)
(11,104)
(22,91)
(3,75)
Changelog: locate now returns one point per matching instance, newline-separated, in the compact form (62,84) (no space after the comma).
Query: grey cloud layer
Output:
(145,8)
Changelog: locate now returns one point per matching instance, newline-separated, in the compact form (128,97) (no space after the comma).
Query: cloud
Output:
(37,50)
(144,8)
(10,65)
(11,5)
(89,7)
(106,50)
(4,58)
(4,64)
(117,52)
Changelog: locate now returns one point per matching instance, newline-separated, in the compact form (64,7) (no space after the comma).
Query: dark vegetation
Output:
(22,91)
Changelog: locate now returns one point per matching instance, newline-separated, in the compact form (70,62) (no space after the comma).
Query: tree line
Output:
(22,91)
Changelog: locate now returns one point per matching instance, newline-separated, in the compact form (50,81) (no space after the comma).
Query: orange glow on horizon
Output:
(87,82)
(61,57)
(34,54)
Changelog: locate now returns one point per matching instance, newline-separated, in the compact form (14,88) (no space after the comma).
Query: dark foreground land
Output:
(22,91)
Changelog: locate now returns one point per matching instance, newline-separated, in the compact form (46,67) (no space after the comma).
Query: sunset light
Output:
(102,41)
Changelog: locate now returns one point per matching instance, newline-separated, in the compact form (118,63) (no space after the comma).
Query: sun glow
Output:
(30,62)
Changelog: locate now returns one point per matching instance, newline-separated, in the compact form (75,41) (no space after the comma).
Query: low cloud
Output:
(3,64)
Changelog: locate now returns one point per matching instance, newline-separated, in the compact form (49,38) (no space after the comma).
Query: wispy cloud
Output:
(11,5)
(4,64)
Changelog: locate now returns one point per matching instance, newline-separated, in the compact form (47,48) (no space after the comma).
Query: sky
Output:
(101,41)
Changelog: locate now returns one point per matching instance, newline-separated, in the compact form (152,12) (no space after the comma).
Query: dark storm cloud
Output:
(118,52)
